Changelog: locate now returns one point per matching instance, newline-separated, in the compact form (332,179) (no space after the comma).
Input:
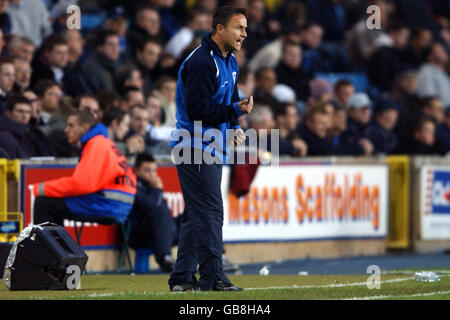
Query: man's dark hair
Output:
(126,91)
(81,97)
(107,98)
(426,101)
(143,157)
(16,99)
(103,35)
(419,122)
(124,73)
(341,83)
(140,46)
(52,41)
(43,85)
(224,14)
(280,109)
(260,71)
(113,113)
(163,79)
(84,117)
(311,112)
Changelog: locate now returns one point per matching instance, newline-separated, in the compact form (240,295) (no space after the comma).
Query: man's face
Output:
(121,128)
(59,56)
(35,103)
(291,118)
(149,21)
(135,97)
(340,120)
(390,118)
(313,36)
(148,171)
(21,113)
(150,55)
(234,32)
(292,56)
(139,121)
(23,72)
(436,110)
(426,133)
(135,80)
(76,42)
(345,93)
(360,115)
(111,48)
(267,81)
(319,124)
(401,38)
(168,90)
(91,105)
(50,101)
(74,130)
(25,51)
(7,77)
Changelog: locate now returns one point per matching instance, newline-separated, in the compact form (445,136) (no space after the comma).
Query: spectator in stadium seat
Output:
(30,19)
(314,131)
(52,62)
(266,80)
(258,32)
(423,138)
(290,72)
(13,128)
(270,55)
(22,75)
(198,22)
(343,90)
(5,20)
(128,75)
(89,103)
(147,23)
(21,47)
(381,131)
(49,94)
(131,96)
(421,39)
(432,78)
(287,120)
(99,69)
(7,72)
(152,225)
(118,123)
(321,91)
(147,55)
(35,106)
(387,61)
(101,185)
(359,115)
(433,108)
(311,40)
(165,90)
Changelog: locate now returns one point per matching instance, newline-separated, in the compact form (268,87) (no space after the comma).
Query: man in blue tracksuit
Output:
(207,92)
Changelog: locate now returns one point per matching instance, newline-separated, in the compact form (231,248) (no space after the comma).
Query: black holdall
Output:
(44,257)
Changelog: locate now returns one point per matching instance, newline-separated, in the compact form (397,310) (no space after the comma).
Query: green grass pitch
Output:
(395,285)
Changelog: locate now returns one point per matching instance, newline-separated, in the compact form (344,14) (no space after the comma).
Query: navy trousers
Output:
(200,239)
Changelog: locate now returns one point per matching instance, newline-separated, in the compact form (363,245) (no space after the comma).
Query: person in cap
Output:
(381,131)
(359,114)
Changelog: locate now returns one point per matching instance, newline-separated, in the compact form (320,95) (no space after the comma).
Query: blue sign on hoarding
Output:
(440,200)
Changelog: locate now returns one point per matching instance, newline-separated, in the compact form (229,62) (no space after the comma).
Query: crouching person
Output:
(152,225)
(102,184)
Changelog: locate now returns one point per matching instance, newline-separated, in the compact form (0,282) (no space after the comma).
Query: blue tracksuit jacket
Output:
(206,91)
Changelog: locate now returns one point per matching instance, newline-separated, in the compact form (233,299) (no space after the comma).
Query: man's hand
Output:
(239,136)
(135,144)
(156,182)
(366,145)
(300,146)
(246,105)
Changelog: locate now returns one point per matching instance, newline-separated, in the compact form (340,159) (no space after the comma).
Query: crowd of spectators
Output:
(122,66)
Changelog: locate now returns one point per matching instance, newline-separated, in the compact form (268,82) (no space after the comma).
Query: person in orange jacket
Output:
(101,185)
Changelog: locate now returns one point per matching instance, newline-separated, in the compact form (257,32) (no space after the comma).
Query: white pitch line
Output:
(401,296)
(338,285)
